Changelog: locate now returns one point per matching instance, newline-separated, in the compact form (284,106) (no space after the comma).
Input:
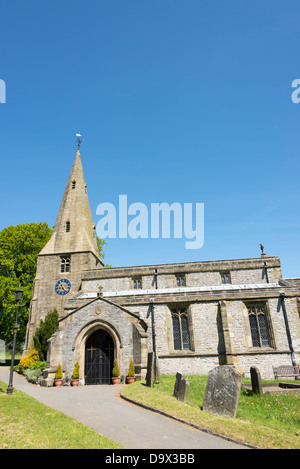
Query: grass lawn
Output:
(269,421)
(27,423)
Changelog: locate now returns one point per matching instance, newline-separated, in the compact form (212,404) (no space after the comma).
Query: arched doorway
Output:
(99,357)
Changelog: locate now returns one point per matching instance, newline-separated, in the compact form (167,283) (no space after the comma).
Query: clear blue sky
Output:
(178,101)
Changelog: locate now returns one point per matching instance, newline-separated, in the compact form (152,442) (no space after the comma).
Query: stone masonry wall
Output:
(68,345)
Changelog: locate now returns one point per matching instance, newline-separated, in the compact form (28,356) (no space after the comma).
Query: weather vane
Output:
(78,140)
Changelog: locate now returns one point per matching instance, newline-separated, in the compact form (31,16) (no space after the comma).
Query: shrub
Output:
(38,366)
(59,373)
(115,371)
(76,371)
(45,330)
(32,375)
(28,360)
(131,372)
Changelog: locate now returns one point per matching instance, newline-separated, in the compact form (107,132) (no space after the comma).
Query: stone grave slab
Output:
(222,391)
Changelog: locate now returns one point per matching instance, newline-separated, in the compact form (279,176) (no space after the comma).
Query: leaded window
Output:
(181,335)
(225,278)
(137,283)
(180,280)
(65,264)
(259,325)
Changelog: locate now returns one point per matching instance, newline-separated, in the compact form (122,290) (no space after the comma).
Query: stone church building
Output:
(194,315)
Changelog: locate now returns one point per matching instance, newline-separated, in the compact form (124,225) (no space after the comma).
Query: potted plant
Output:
(131,373)
(58,376)
(115,373)
(75,375)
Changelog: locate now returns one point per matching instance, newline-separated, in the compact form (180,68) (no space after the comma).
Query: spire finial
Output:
(78,140)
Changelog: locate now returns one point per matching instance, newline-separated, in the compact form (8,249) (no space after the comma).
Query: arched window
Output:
(73,184)
(181,336)
(260,331)
(65,265)
(68,226)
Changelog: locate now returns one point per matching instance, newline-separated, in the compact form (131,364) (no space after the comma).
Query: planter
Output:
(57,382)
(115,379)
(130,379)
(74,382)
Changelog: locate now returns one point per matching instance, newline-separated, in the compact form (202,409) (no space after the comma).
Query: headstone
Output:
(256,380)
(150,370)
(156,370)
(177,383)
(183,390)
(222,391)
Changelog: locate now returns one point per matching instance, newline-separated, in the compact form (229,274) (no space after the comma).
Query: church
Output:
(194,316)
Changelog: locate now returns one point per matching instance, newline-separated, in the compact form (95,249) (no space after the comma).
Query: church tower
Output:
(71,249)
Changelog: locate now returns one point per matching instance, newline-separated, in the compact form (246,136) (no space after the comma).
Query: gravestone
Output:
(183,390)
(256,380)
(177,383)
(222,391)
(150,370)
(156,370)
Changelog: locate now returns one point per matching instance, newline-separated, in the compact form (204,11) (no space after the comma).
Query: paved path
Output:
(133,427)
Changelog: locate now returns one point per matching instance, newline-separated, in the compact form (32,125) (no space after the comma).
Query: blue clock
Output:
(63,286)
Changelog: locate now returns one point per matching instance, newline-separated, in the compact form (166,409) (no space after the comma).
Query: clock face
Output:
(63,286)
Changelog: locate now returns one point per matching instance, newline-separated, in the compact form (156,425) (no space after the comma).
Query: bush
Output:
(45,330)
(131,371)
(38,366)
(32,375)
(76,371)
(115,371)
(59,373)
(28,360)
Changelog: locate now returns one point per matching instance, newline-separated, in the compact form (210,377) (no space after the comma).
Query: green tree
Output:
(45,330)
(19,247)
(100,244)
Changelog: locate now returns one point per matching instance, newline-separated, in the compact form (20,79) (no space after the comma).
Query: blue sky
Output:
(178,101)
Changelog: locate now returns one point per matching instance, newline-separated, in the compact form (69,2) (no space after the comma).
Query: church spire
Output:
(74,230)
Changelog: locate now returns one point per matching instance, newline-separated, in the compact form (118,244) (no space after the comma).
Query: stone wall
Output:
(67,345)
(208,347)
(45,298)
(242,271)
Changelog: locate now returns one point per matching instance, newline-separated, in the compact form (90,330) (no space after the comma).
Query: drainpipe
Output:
(266,271)
(156,377)
(153,326)
(155,278)
(152,316)
(288,332)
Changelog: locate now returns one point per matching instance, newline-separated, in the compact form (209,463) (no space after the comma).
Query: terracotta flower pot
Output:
(74,382)
(57,382)
(130,379)
(115,379)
